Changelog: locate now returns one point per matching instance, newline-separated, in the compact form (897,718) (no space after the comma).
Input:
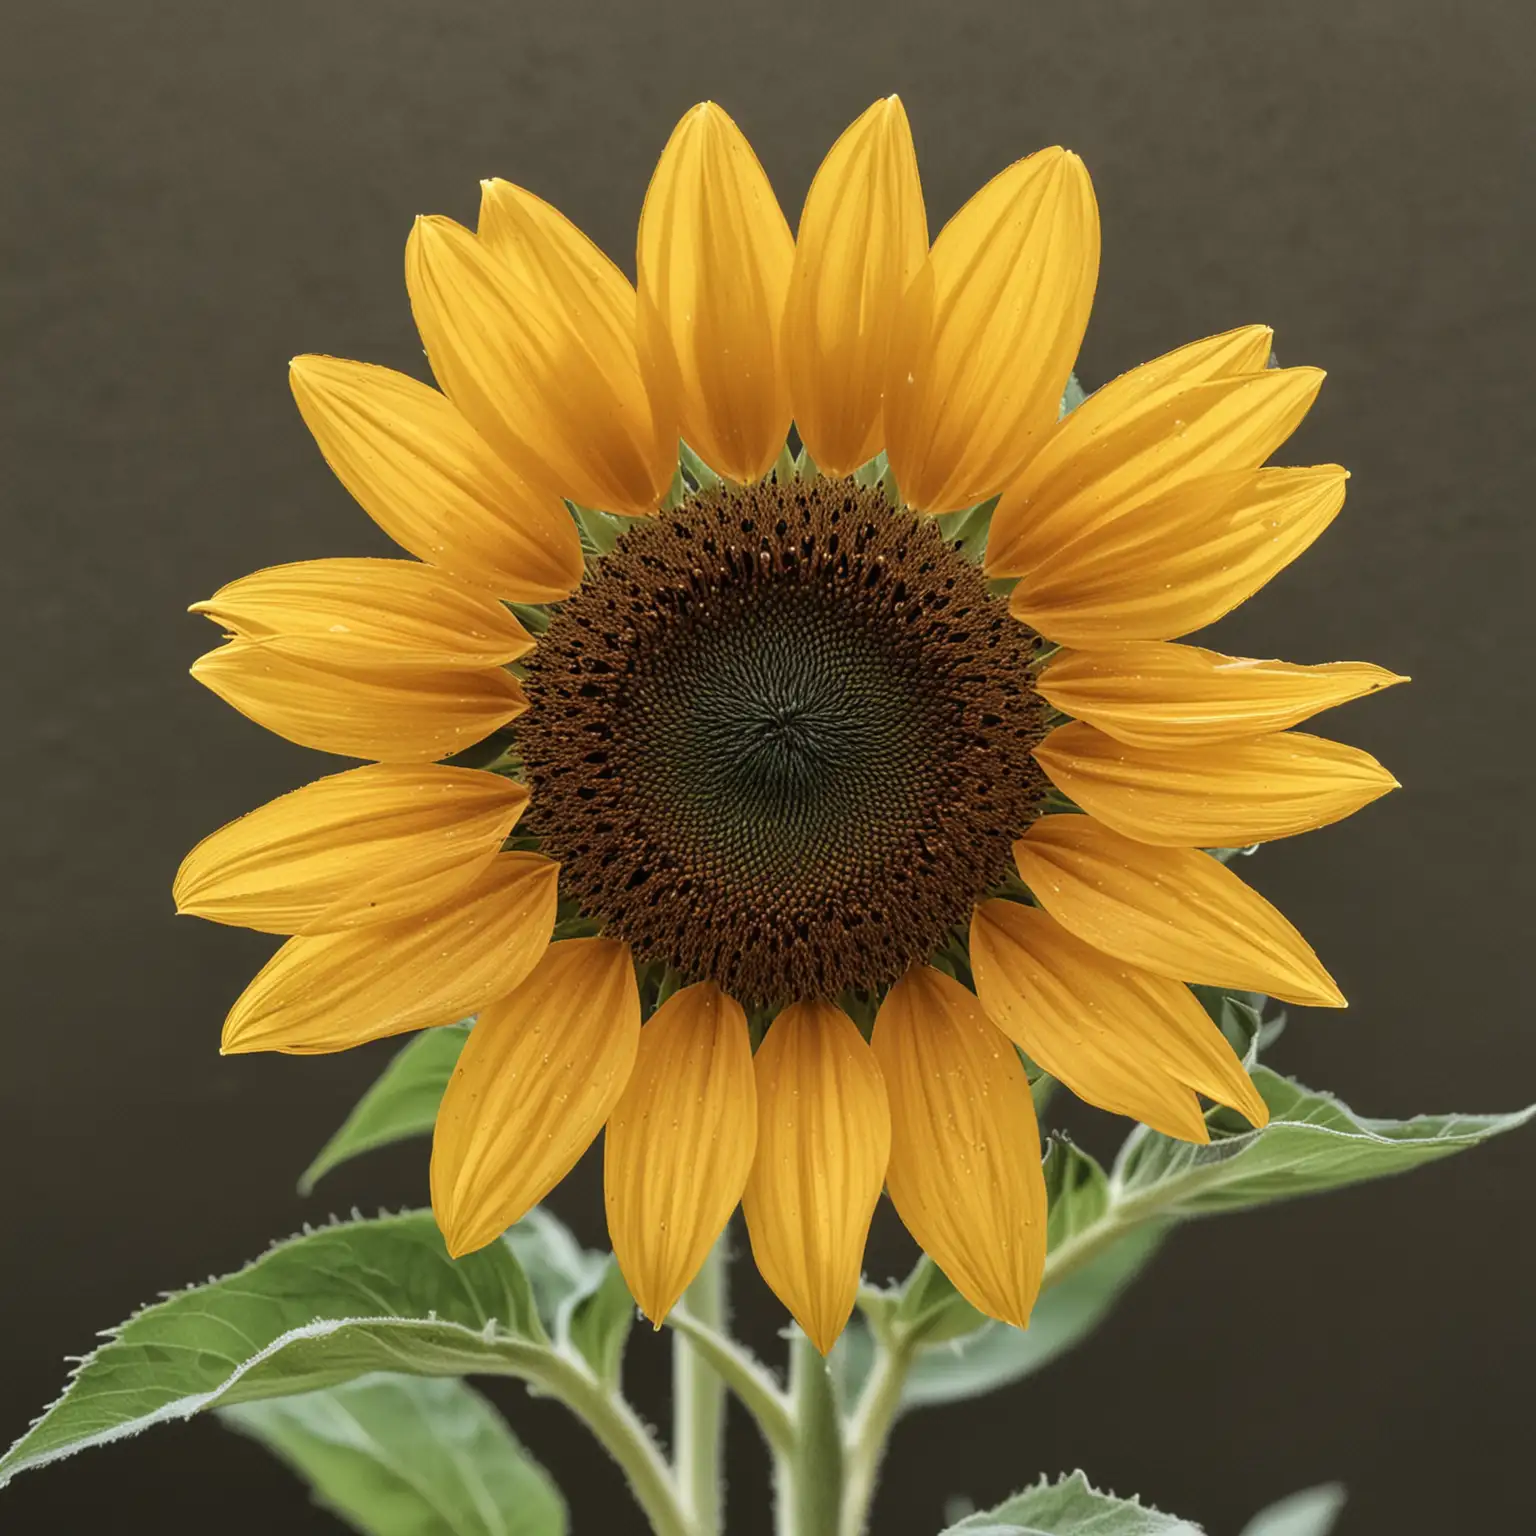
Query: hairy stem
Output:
(619,1430)
(698,1398)
(869,1429)
(754,1385)
(809,1480)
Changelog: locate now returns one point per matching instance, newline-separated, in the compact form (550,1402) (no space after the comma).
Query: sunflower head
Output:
(796,832)
(781,739)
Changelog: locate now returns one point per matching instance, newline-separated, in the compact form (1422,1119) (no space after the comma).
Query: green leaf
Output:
(598,1324)
(1072,396)
(401,1103)
(1101,1231)
(1312,1143)
(581,1295)
(559,1269)
(408,1456)
(931,1310)
(1071,1507)
(1076,1188)
(312,1312)
(1313,1512)
(996,1355)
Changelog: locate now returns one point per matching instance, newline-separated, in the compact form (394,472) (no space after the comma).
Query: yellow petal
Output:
(1152,694)
(862,239)
(1131,1042)
(408,714)
(367,846)
(965,1149)
(427,478)
(1120,450)
(714,257)
(988,332)
(1243,350)
(539,352)
(1227,795)
(370,613)
(680,1144)
(1183,560)
(823,1141)
(543,250)
(1175,911)
(335,990)
(538,1076)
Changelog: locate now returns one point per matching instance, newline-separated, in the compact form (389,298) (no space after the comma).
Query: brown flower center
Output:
(781,739)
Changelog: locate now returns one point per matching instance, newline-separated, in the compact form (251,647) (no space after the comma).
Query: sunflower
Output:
(759,757)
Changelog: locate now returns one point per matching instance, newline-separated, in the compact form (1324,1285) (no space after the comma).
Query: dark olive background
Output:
(193,192)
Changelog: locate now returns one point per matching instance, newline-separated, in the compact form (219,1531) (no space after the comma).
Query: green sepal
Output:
(1072,396)
(491,754)
(571,922)
(872,473)
(408,1456)
(534,617)
(401,1103)
(1226,855)
(967,530)
(677,492)
(600,531)
(697,471)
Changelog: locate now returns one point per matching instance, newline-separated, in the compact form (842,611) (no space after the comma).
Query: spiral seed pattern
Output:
(781,738)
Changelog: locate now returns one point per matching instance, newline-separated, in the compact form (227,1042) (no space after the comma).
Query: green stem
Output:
(870,1428)
(754,1386)
(1123,1214)
(620,1432)
(698,1399)
(809,1481)
(1067,1258)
